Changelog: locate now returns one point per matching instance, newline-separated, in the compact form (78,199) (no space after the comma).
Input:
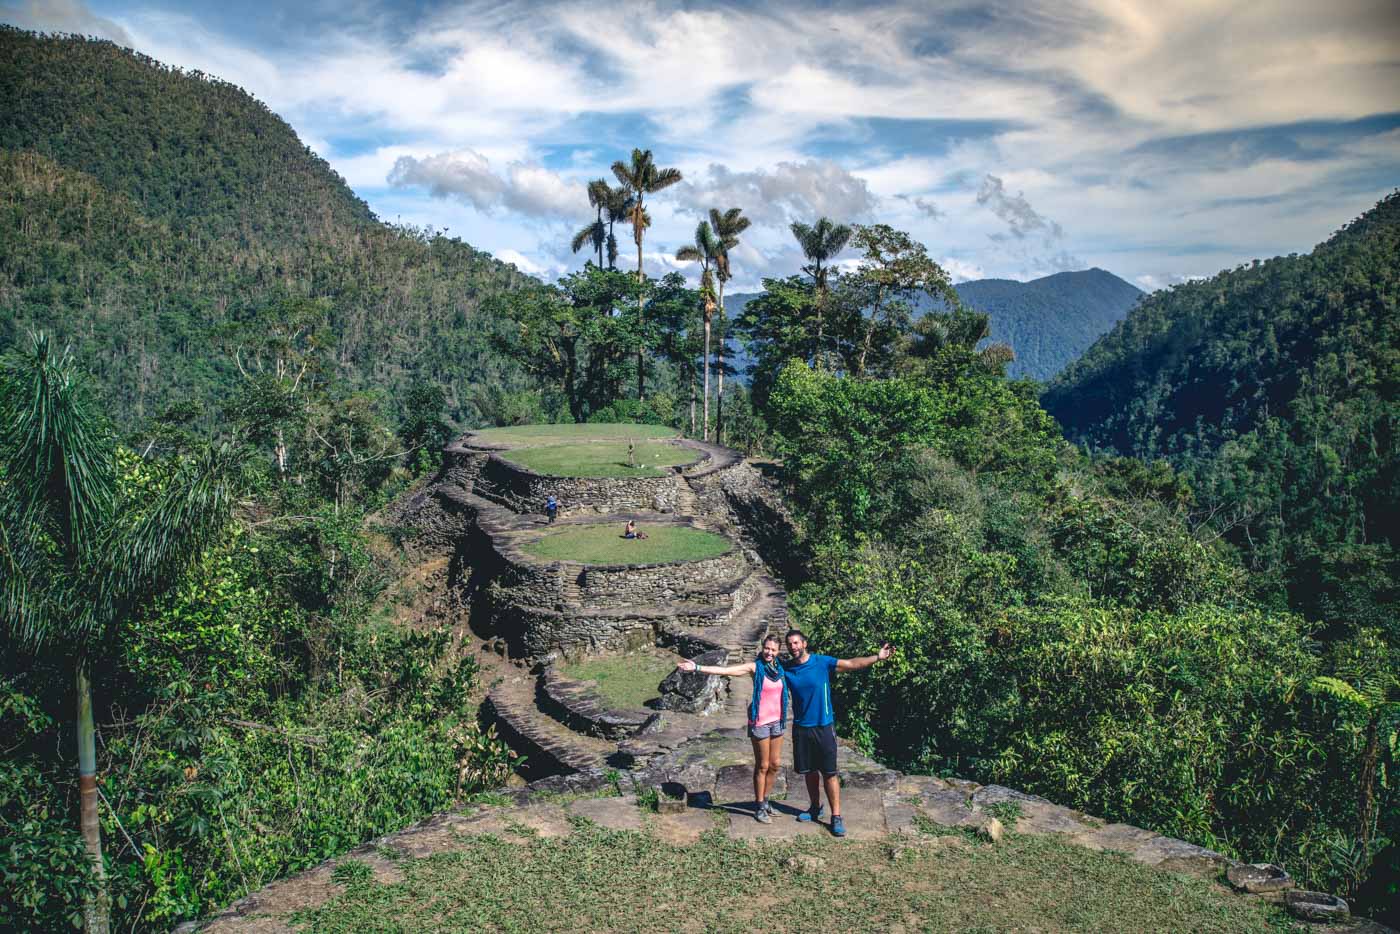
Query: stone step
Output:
(550,747)
(743,632)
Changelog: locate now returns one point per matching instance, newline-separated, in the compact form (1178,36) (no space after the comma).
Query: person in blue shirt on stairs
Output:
(814,722)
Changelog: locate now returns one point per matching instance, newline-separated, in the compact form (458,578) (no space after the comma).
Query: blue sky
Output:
(1157,139)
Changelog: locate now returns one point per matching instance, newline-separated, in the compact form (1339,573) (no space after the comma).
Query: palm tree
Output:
(75,558)
(706,252)
(618,208)
(727,227)
(639,179)
(820,242)
(598,191)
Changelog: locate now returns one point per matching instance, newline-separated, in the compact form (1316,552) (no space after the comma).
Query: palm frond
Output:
(663,178)
(57,455)
(145,558)
(32,605)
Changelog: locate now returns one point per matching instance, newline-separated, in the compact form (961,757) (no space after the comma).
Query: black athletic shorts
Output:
(814,749)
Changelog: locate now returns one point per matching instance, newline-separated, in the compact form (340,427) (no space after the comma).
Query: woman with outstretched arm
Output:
(767,714)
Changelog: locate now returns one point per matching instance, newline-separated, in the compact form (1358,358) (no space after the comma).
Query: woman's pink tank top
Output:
(770,702)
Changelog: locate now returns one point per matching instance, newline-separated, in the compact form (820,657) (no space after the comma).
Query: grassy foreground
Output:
(561,434)
(601,458)
(604,880)
(603,544)
(625,681)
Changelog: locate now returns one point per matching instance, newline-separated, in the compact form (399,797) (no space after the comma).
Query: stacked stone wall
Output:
(641,584)
(525,491)
(577,705)
(540,632)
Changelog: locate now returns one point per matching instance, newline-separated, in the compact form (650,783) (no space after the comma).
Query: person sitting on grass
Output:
(814,722)
(767,714)
(631,531)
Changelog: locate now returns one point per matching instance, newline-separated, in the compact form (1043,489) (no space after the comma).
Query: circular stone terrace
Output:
(590,469)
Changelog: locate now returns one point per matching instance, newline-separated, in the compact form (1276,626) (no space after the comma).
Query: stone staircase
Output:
(549,746)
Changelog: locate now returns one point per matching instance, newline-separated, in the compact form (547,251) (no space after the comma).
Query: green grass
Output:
(604,544)
(601,880)
(559,434)
(601,458)
(626,682)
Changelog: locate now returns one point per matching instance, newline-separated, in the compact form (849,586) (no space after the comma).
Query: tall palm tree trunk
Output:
(719,368)
(692,401)
(706,354)
(641,358)
(94,906)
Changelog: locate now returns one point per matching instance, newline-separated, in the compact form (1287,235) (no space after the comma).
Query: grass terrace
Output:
(602,543)
(601,458)
(534,435)
(604,880)
(626,682)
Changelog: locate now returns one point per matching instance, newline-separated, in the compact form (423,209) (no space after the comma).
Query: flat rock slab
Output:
(1124,838)
(1042,817)
(948,808)
(1176,855)
(920,784)
(265,910)
(613,813)
(785,826)
(900,814)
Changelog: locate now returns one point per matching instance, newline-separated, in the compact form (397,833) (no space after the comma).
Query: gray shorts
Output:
(767,731)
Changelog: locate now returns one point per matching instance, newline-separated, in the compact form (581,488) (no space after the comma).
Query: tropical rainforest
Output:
(220,367)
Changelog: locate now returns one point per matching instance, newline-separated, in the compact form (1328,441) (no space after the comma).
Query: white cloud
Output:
(789,191)
(961,271)
(63,16)
(466,174)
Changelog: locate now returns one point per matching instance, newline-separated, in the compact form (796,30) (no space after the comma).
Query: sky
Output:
(1157,139)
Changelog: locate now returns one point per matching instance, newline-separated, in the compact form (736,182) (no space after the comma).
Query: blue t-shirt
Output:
(810,684)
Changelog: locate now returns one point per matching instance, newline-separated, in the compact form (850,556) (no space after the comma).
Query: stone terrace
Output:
(486,509)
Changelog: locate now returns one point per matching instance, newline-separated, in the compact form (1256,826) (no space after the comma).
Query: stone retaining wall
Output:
(525,491)
(538,632)
(642,584)
(755,508)
(581,708)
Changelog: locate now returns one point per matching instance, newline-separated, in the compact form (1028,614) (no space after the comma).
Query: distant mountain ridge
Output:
(1048,321)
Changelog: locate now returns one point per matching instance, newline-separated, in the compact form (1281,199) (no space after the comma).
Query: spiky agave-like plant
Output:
(75,559)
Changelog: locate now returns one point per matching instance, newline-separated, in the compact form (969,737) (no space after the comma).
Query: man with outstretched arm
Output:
(814,722)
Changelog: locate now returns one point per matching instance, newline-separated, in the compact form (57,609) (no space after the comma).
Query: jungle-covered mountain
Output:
(147,212)
(1048,321)
(1275,387)
(1052,320)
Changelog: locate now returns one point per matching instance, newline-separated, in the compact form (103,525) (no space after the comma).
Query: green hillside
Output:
(1048,321)
(1052,320)
(1276,385)
(145,210)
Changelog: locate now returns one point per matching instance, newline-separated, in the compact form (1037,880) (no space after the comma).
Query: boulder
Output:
(692,692)
(1257,878)
(1316,906)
